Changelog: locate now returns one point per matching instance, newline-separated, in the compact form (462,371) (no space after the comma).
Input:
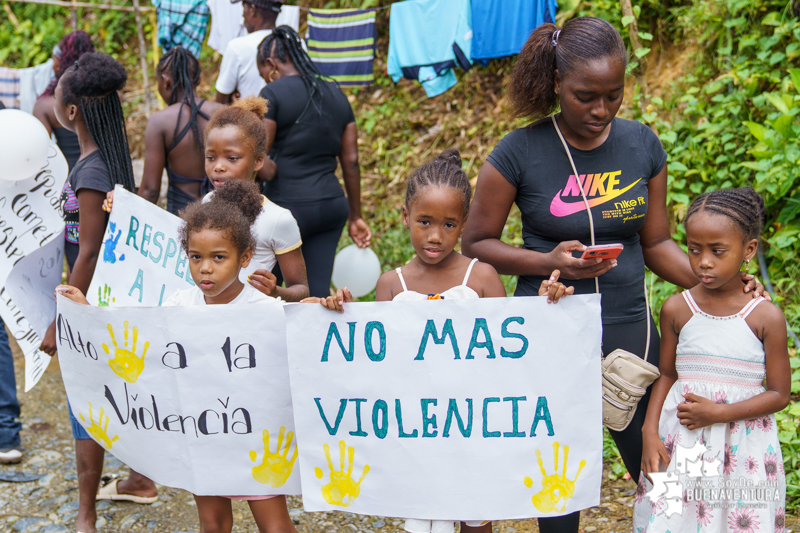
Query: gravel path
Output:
(49,503)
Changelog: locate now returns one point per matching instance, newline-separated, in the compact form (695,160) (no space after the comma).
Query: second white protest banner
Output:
(193,397)
(450,409)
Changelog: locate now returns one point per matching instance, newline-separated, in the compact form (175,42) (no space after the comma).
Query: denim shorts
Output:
(78,432)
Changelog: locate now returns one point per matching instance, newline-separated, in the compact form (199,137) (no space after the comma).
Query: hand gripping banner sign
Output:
(451,409)
(193,397)
(32,257)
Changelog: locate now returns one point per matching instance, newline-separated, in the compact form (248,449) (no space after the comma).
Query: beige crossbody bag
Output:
(625,375)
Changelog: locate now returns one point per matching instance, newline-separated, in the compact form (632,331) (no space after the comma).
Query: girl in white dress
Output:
(717,346)
(435,212)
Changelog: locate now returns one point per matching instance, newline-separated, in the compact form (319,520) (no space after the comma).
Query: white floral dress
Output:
(743,487)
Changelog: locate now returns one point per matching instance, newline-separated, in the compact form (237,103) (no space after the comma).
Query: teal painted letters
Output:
(333,331)
(430,331)
(509,335)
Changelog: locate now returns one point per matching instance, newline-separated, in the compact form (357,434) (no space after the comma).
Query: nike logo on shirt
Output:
(602,186)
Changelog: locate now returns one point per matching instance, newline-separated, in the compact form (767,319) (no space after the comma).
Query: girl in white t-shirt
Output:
(217,238)
(235,149)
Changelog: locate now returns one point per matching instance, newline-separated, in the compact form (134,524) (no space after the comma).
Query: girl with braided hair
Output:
(173,137)
(86,103)
(71,47)
(309,125)
(717,346)
(619,195)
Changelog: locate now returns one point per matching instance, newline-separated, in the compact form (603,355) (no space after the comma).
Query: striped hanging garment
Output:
(341,42)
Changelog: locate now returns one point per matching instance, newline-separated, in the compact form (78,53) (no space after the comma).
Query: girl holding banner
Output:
(217,238)
(86,103)
(435,212)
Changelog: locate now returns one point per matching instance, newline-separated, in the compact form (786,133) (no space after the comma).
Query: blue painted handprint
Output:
(110,245)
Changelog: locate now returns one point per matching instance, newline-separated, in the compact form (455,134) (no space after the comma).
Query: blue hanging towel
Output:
(501,27)
(182,22)
(427,39)
(341,42)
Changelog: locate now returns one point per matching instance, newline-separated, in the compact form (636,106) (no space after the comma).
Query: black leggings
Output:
(321,225)
(631,337)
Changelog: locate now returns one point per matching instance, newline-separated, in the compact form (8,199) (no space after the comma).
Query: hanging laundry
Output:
(427,39)
(501,27)
(9,87)
(19,88)
(182,22)
(341,42)
(227,22)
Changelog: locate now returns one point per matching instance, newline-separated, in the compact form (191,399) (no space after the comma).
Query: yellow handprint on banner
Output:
(97,431)
(126,364)
(555,487)
(275,468)
(342,489)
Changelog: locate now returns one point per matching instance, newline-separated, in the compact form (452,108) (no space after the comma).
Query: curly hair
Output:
(184,69)
(443,171)
(73,45)
(744,206)
(245,114)
(533,80)
(92,84)
(233,208)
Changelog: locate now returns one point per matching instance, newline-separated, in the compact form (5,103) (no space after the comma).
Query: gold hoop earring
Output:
(271,76)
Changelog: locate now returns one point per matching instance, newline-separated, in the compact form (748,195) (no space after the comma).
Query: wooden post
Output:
(142,56)
(74,13)
(636,44)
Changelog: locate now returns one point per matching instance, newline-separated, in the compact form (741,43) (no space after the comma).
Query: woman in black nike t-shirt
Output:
(622,167)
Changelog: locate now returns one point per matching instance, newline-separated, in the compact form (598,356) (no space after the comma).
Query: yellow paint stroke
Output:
(96,430)
(104,298)
(126,364)
(555,487)
(342,489)
(275,468)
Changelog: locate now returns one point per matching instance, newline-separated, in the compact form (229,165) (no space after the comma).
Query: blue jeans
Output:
(9,405)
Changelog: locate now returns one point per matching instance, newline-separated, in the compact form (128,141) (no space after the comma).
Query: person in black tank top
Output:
(173,137)
(71,47)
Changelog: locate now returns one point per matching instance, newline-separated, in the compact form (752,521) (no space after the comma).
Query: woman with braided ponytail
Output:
(618,196)
(71,47)
(173,138)
(309,125)
(86,103)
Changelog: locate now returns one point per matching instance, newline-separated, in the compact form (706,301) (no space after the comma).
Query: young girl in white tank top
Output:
(717,346)
(435,212)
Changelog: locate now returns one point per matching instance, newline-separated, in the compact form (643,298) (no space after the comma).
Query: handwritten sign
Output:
(193,397)
(141,262)
(31,257)
(451,409)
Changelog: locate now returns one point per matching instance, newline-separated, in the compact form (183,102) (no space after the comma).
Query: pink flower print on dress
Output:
(743,520)
(771,466)
(750,424)
(780,520)
(720,397)
(765,422)
(729,461)
(751,465)
(641,490)
(734,426)
(687,389)
(670,442)
(704,515)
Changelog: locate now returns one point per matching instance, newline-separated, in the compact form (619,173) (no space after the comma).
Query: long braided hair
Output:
(444,171)
(92,84)
(72,46)
(185,72)
(284,43)
(744,206)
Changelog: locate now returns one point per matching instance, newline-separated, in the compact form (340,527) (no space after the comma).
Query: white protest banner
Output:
(192,397)
(31,257)
(449,410)
(142,262)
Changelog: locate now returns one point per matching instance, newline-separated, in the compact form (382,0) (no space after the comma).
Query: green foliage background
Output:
(727,114)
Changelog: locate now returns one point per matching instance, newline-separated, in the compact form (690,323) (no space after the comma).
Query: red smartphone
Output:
(603,251)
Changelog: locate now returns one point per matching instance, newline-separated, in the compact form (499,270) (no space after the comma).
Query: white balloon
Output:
(356,268)
(24,145)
